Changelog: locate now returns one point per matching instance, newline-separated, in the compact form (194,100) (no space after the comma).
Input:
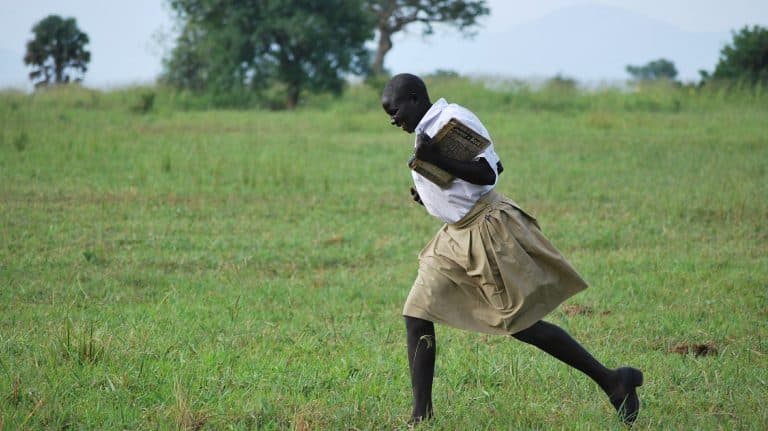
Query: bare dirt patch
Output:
(571,310)
(697,349)
(577,310)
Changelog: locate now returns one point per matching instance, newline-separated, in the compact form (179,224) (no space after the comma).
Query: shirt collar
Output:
(430,115)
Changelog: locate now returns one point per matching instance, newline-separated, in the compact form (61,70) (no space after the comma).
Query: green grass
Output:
(179,269)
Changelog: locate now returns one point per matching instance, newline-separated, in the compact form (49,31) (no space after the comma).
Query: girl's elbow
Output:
(491,176)
(489,179)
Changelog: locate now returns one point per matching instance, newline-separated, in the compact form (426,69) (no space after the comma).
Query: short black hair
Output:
(407,83)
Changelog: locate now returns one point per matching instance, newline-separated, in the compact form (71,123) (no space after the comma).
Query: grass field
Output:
(193,269)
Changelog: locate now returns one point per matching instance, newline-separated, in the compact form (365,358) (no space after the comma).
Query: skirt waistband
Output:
(479,208)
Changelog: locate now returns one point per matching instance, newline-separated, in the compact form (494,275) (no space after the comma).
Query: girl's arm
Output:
(474,171)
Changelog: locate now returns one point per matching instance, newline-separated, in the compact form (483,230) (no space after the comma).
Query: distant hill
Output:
(588,42)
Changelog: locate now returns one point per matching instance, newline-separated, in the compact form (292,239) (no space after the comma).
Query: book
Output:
(455,140)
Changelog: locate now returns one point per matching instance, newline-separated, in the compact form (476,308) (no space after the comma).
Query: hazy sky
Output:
(125,47)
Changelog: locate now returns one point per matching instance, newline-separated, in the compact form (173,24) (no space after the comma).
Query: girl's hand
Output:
(425,150)
(416,197)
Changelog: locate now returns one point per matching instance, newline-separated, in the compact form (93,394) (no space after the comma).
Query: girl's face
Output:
(403,109)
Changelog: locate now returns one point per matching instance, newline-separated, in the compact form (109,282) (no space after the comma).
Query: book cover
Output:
(455,140)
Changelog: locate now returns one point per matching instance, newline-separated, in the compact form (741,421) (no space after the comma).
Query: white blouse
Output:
(453,202)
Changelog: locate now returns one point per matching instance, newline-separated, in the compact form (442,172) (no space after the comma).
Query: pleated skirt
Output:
(492,272)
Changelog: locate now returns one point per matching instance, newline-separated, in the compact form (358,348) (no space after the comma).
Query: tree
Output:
(187,65)
(660,69)
(745,59)
(235,46)
(393,16)
(58,47)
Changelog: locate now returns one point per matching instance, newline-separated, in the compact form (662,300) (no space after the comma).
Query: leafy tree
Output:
(58,46)
(653,71)
(237,46)
(187,65)
(392,16)
(745,59)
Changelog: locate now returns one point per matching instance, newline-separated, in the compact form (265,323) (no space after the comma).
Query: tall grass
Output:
(177,267)
(491,93)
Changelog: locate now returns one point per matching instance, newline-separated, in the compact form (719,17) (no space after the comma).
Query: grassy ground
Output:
(246,269)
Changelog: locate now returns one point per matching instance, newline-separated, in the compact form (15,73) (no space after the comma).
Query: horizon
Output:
(508,44)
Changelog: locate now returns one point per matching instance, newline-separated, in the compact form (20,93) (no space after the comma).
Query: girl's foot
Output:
(624,396)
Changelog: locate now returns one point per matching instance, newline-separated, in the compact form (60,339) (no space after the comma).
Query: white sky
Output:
(688,15)
(125,50)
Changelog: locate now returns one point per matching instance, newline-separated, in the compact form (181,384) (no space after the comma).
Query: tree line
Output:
(745,60)
(232,50)
(232,47)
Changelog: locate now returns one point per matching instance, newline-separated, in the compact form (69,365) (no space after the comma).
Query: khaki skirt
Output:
(493,271)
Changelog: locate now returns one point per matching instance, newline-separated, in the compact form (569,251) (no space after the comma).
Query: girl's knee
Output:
(536,333)
(416,326)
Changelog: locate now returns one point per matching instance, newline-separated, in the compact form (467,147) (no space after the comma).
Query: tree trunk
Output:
(293,96)
(385,44)
(59,74)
